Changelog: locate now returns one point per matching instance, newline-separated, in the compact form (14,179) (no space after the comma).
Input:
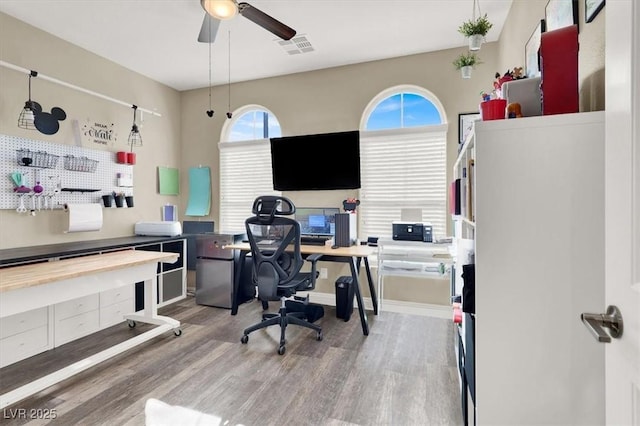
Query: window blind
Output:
(402,168)
(245,173)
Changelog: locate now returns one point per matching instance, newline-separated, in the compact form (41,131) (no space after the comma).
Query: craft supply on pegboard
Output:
(66,173)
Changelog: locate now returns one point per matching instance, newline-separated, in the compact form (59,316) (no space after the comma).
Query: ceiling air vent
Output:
(298,44)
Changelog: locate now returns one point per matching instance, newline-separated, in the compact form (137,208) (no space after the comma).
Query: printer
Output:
(158,229)
(411,231)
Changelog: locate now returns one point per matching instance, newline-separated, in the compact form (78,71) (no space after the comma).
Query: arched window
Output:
(252,123)
(403,110)
(403,143)
(245,163)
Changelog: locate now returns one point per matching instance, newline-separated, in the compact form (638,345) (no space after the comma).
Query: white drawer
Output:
(76,306)
(114,313)
(24,345)
(24,321)
(75,327)
(116,295)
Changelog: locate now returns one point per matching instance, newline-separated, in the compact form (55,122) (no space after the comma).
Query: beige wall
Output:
(30,48)
(314,102)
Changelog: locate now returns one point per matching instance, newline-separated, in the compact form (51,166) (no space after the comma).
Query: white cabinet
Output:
(538,227)
(115,304)
(24,335)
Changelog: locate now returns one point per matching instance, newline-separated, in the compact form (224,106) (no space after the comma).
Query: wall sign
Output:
(93,131)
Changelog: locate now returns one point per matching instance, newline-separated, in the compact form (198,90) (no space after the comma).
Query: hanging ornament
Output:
(229,114)
(210,110)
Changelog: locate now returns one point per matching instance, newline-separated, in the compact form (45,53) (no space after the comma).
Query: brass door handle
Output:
(596,323)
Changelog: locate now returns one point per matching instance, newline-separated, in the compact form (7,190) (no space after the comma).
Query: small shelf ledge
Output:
(79,190)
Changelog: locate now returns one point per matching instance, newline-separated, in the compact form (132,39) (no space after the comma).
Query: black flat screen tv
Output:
(316,162)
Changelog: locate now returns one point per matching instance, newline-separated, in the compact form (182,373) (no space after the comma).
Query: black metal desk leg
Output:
(236,282)
(361,310)
(372,288)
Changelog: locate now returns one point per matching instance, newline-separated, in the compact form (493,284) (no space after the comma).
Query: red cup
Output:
(131,158)
(493,109)
(121,157)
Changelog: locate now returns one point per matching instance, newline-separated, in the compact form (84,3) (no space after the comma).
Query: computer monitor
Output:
(317,220)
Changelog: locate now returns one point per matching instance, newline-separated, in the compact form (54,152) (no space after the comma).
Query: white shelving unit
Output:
(536,230)
(411,259)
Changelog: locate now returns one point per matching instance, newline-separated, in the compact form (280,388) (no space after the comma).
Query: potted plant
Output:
(465,63)
(475,30)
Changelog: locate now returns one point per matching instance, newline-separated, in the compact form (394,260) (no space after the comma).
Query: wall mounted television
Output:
(316,162)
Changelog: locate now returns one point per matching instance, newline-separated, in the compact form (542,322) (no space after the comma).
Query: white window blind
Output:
(402,168)
(245,173)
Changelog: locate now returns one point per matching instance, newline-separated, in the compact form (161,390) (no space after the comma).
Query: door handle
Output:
(611,320)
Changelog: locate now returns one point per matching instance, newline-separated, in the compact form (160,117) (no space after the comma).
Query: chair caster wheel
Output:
(177,332)
(244,339)
(319,336)
(281,350)
(131,323)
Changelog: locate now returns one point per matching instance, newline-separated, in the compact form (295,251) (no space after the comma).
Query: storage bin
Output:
(493,109)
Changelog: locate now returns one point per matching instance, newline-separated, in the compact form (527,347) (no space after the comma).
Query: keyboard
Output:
(314,240)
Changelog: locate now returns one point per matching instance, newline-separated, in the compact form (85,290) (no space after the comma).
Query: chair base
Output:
(282,318)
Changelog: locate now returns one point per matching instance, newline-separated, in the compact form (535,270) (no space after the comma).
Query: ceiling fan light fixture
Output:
(220,9)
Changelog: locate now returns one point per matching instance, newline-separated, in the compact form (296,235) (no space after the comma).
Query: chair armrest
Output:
(313,258)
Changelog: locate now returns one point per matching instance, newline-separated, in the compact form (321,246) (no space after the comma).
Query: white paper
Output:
(84,217)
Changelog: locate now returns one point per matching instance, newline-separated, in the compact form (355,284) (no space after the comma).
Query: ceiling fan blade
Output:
(209,29)
(265,21)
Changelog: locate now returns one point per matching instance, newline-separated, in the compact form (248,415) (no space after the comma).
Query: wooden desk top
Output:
(15,277)
(353,251)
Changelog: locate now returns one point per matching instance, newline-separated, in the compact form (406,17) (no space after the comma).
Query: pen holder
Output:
(107,200)
(119,200)
(129,200)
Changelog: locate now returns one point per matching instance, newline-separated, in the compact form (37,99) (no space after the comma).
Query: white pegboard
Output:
(104,179)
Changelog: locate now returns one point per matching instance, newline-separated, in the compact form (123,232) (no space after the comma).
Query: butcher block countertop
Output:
(15,277)
(14,256)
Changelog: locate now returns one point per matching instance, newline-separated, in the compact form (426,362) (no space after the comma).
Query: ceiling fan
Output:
(226,9)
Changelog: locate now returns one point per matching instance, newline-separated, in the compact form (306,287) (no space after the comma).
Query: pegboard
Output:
(72,169)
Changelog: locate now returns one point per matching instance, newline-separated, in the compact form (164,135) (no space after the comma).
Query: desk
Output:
(352,255)
(27,287)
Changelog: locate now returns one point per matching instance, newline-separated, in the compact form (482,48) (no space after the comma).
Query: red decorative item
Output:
(131,158)
(121,157)
(493,109)
(559,60)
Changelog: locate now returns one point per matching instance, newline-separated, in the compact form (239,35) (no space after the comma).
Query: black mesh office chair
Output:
(275,249)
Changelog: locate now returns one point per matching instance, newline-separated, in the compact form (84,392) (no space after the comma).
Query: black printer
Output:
(409,231)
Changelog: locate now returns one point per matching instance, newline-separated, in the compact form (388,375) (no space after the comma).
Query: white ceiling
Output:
(158,38)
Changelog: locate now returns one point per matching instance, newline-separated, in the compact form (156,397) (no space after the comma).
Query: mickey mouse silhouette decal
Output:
(48,122)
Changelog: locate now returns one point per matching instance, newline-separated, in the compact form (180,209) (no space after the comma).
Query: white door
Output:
(622,208)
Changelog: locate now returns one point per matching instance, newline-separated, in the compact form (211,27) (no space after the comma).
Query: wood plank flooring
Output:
(403,373)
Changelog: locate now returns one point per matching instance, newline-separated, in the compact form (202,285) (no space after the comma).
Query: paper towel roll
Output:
(84,217)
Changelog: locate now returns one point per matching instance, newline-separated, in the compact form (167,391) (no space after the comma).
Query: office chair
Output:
(275,249)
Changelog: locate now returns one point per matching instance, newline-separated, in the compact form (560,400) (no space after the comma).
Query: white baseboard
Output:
(402,307)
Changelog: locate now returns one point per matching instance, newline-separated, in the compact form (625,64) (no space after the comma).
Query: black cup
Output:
(129,200)
(119,200)
(106,199)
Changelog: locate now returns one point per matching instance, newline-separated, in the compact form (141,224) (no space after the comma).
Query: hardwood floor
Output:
(403,373)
